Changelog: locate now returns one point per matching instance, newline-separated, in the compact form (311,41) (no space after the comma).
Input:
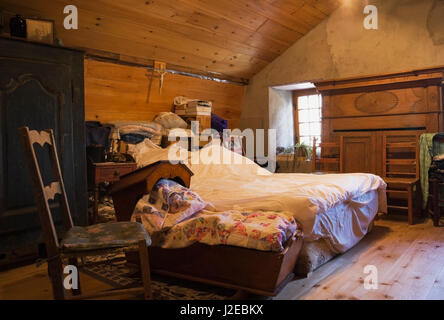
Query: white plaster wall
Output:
(281,116)
(410,36)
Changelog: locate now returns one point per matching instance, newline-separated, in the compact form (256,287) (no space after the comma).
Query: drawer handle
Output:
(116,173)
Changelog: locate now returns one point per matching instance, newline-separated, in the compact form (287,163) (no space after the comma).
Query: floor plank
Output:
(409,260)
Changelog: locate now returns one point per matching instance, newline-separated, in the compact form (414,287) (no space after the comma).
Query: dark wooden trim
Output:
(383,114)
(305,92)
(149,64)
(18,39)
(415,72)
(295,120)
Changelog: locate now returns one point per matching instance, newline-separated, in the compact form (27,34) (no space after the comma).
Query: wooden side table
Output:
(106,172)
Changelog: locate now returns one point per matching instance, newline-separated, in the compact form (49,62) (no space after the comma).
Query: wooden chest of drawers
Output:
(107,172)
(111,171)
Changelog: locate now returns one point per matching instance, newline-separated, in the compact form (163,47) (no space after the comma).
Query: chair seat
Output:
(104,236)
(400,181)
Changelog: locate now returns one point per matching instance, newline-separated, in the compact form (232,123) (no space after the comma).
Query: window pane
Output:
(302,102)
(304,129)
(313,101)
(304,115)
(315,129)
(314,115)
(310,117)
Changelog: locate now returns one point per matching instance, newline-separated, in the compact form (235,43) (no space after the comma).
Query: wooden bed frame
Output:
(254,271)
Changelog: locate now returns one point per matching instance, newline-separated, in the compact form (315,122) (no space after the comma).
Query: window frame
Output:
(296,123)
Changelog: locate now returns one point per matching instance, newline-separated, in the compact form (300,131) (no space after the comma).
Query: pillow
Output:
(170,120)
(145,155)
(168,204)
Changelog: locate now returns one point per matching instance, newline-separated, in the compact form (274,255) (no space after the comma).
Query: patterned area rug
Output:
(113,270)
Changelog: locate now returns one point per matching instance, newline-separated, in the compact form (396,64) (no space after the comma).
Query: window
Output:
(309,118)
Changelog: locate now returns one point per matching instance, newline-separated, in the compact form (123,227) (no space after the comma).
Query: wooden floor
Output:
(409,260)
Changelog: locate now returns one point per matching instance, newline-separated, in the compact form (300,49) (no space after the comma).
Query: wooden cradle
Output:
(259,272)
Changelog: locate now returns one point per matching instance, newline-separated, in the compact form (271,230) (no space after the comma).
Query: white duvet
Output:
(336,207)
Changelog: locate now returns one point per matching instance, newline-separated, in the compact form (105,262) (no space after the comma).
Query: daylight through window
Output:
(309,117)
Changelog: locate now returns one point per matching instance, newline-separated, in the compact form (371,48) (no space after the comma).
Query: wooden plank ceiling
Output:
(227,38)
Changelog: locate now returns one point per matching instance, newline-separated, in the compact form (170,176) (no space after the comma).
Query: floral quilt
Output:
(177,217)
(260,230)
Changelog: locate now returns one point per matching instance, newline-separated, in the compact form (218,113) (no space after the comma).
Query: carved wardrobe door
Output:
(358,150)
(40,87)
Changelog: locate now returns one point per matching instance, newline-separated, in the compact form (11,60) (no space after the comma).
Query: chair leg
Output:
(73,261)
(145,269)
(56,274)
(436,212)
(410,203)
(418,200)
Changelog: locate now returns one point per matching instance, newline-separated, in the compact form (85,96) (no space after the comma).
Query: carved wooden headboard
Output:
(134,185)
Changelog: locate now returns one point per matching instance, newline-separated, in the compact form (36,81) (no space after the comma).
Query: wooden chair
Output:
(77,241)
(234,144)
(328,157)
(401,173)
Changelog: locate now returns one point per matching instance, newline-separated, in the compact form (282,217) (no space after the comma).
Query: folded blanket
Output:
(147,124)
(135,138)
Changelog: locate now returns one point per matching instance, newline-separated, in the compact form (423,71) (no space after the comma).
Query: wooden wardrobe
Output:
(41,87)
(364,110)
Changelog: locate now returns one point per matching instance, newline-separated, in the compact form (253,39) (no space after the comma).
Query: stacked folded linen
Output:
(137,131)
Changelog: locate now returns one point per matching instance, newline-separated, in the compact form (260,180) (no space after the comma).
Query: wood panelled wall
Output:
(119,92)
(365,110)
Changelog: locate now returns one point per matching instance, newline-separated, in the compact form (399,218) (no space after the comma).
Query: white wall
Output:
(281,116)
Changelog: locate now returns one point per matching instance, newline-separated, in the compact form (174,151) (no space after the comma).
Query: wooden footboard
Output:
(258,272)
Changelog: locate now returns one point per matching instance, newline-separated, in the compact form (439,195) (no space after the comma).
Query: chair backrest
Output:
(401,157)
(330,156)
(43,194)
(235,144)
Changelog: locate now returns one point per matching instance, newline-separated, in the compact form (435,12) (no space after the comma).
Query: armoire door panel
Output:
(358,153)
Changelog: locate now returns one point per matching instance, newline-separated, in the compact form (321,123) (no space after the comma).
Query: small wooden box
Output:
(204,121)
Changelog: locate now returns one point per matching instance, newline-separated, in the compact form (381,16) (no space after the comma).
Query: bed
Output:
(335,211)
